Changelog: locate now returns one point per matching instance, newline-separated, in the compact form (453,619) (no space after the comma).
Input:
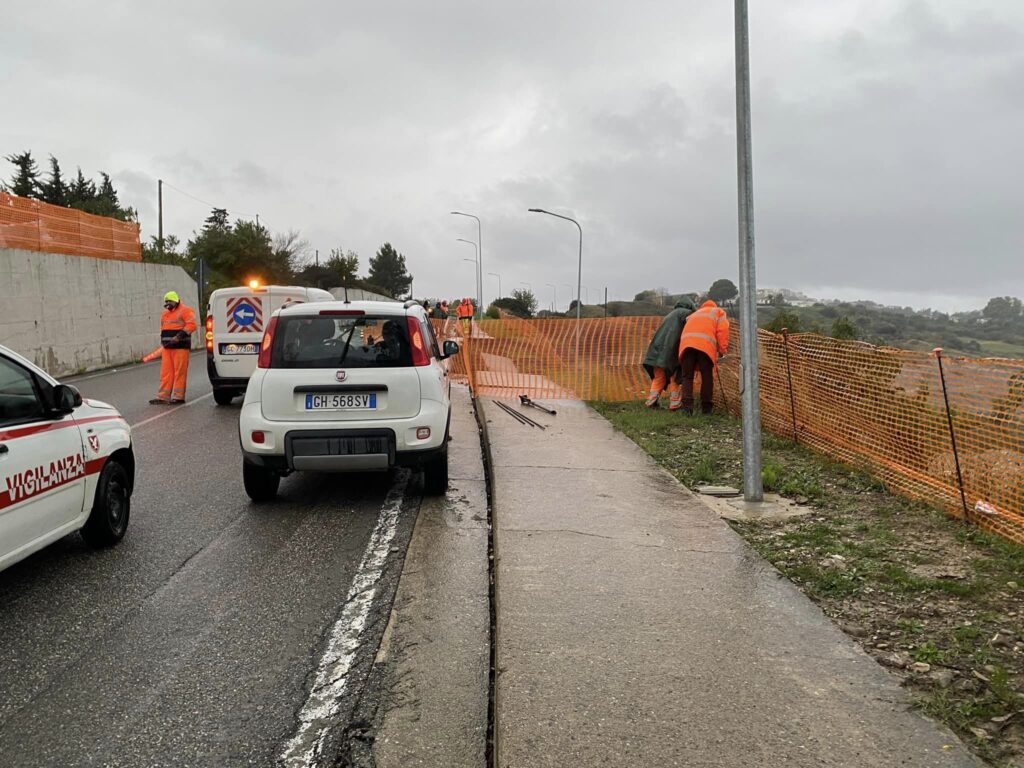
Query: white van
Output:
(235,321)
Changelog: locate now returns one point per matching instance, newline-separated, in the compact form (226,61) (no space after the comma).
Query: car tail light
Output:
(422,433)
(258,437)
(209,333)
(268,343)
(419,345)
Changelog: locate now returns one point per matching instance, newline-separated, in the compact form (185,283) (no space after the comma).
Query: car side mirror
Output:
(66,398)
(450,349)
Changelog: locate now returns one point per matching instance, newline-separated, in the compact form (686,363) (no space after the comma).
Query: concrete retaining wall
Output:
(71,314)
(358,294)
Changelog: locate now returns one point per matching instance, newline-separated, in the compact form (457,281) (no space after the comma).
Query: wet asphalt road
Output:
(193,642)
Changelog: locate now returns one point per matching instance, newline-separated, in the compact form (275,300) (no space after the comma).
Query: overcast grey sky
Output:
(886,133)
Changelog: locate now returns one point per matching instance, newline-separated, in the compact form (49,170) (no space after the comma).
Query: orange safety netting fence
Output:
(36,226)
(878,408)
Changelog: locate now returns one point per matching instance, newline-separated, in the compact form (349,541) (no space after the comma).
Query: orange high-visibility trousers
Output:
(173,374)
(662,381)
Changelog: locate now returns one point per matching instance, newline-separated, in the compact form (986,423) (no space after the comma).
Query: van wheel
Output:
(435,473)
(223,396)
(108,519)
(260,483)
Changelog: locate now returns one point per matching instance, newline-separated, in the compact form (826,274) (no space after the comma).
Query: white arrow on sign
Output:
(245,313)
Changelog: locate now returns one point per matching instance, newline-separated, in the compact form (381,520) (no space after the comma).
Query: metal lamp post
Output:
(579,272)
(495,274)
(479,258)
(753,488)
(476,250)
(554,296)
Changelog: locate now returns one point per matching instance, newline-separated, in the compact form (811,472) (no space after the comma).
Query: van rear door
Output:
(239,317)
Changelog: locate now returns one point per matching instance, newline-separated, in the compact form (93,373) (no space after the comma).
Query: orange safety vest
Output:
(173,322)
(465,310)
(706,330)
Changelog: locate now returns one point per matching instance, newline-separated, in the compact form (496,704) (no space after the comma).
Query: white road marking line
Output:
(317,716)
(169,411)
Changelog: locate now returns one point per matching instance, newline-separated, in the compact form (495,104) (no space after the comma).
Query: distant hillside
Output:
(996,331)
(988,333)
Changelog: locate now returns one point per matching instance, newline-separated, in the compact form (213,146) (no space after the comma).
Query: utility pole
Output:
(316,255)
(606,301)
(753,488)
(160,213)
(257,219)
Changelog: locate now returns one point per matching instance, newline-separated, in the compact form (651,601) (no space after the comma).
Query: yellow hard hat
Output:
(172,296)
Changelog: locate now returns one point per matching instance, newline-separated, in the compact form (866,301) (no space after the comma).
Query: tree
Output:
(722,291)
(648,297)
(784,319)
(343,267)
(339,269)
(522,303)
(25,181)
(171,253)
(842,328)
(55,191)
(81,193)
(388,272)
(1003,309)
(290,247)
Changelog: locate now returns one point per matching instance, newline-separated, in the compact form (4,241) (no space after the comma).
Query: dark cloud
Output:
(884,133)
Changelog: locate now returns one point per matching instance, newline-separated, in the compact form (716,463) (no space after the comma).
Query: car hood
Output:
(98,404)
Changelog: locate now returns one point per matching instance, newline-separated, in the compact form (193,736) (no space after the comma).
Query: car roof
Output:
(246,290)
(386,308)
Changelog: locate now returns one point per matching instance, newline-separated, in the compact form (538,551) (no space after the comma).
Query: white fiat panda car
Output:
(346,387)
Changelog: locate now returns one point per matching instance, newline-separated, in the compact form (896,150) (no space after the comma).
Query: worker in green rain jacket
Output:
(662,359)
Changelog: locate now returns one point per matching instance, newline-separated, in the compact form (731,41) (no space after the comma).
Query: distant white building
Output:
(793,298)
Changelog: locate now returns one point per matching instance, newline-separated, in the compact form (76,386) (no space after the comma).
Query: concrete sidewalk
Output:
(635,628)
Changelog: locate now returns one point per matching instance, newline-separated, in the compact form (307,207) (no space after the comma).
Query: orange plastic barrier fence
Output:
(36,226)
(877,408)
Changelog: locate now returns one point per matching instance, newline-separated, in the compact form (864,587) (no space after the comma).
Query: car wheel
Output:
(260,483)
(435,473)
(223,396)
(109,517)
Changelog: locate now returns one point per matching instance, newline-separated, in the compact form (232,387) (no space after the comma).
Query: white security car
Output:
(347,387)
(65,464)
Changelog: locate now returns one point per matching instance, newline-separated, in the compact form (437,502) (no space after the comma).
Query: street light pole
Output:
(476,249)
(554,296)
(495,274)
(579,273)
(753,488)
(479,258)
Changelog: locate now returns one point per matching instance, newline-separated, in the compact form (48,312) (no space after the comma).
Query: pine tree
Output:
(388,272)
(55,191)
(81,193)
(25,181)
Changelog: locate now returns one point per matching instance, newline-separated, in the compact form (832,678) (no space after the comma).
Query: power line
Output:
(207,202)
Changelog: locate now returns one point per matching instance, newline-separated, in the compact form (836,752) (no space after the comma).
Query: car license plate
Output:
(332,402)
(239,349)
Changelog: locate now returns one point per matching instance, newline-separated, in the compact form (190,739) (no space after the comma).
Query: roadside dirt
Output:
(937,602)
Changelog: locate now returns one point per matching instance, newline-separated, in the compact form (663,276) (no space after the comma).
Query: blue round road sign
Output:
(244,315)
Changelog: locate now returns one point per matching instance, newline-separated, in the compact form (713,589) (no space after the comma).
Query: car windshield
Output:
(333,342)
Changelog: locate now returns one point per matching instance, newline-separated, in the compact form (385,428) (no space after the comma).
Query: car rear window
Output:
(334,342)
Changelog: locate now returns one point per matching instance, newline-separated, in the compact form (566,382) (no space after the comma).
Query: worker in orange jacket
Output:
(465,311)
(704,341)
(177,324)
